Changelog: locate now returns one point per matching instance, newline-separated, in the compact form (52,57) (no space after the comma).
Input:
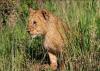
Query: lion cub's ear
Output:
(45,14)
(31,10)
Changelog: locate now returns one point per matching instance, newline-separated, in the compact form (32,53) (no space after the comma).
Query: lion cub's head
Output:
(37,23)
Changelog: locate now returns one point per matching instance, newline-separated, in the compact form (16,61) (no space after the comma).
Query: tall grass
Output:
(18,52)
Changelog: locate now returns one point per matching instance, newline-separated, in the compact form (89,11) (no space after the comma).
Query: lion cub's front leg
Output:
(53,61)
(51,52)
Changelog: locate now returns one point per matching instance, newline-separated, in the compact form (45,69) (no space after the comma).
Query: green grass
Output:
(18,52)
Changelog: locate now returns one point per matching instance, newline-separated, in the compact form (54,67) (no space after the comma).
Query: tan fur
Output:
(42,22)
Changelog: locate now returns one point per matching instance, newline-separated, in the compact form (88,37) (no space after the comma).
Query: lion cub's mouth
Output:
(34,36)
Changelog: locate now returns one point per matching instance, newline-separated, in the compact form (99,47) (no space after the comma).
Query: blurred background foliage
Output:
(18,52)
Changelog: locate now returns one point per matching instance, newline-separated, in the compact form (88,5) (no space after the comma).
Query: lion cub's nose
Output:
(28,31)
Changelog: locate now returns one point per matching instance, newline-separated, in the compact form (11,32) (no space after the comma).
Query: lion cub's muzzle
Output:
(28,31)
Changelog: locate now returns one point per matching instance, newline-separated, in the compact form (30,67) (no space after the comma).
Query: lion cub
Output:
(42,22)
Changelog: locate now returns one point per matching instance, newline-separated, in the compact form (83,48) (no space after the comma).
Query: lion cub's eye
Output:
(34,23)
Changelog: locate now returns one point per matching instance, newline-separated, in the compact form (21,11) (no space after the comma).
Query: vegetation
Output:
(18,52)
